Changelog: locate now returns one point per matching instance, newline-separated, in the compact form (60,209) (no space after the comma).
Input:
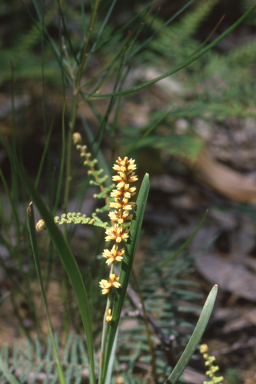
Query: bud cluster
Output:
(209,362)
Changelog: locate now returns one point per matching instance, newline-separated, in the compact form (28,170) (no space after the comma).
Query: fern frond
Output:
(166,295)
(29,363)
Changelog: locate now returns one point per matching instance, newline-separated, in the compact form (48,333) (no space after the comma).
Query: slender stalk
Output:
(96,177)
(153,362)
(104,330)
(75,104)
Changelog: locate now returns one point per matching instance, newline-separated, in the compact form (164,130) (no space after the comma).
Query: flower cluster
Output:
(209,362)
(120,216)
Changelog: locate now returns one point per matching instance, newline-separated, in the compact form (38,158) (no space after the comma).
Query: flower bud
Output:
(40,226)
(77,138)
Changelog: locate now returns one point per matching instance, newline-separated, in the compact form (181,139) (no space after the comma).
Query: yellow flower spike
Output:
(108,317)
(118,232)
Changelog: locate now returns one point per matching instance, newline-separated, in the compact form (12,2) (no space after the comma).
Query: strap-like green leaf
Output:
(195,338)
(177,68)
(126,268)
(32,233)
(67,259)
(185,243)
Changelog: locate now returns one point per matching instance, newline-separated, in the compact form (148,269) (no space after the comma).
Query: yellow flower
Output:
(117,233)
(124,165)
(77,138)
(118,204)
(108,317)
(123,178)
(125,192)
(203,348)
(113,255)
(120,216)
(107,284)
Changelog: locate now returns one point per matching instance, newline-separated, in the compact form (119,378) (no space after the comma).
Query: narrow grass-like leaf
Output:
(185,243)
(46,148)
(126,268)
(177,68)
(145,134)
(68,262)
(111,361)
(9,376)
(128,25)
(195,338)
(4,297)
(14,210)
(57,198)
(32,233)
(162,27)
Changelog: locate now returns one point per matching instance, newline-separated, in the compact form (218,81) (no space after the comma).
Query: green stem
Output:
(105,329)
(75,105)
(153,362)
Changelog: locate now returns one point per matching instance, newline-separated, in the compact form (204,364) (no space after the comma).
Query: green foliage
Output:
(31,361)
(163,289)
(67,54)
(216,86)
(211,367)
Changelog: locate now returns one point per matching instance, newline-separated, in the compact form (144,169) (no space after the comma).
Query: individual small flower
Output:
(108,317)
(113,255)
(107,284)
(120,216)
(124,165)
(117,233)
(203,348)
(123,178)
(118,204)
(125,192)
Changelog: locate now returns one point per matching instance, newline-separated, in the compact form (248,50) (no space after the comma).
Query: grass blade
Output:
(195,338)
(67,259)
(184,64)
(57,198)
(32,233)
(126,268)
(111,361)
(185,243)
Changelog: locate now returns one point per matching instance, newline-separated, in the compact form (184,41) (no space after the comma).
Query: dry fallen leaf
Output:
(230,276)
(223,179)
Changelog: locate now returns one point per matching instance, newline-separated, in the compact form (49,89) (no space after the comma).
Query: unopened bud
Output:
(203,348)
(77,138)
(40,226)
(108,317)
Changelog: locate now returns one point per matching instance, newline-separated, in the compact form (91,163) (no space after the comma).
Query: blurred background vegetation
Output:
(194,132)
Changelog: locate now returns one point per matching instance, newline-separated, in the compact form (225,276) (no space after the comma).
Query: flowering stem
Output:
(96,177)
(105,328)
(76,93)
